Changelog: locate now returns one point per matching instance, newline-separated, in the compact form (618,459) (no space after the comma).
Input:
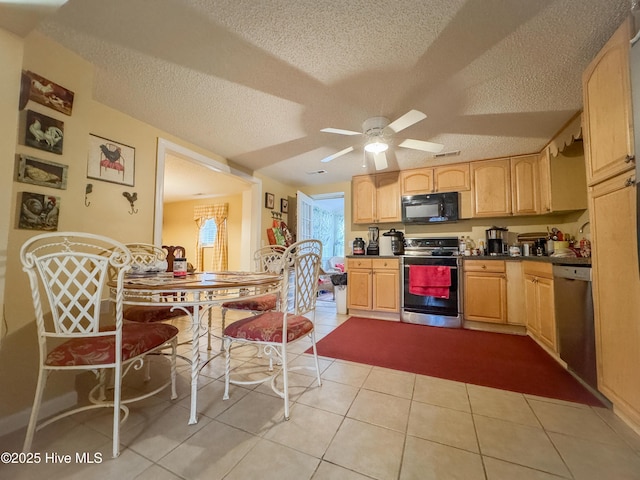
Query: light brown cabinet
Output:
(609,142)
(616,292)
(416,182)
(373,284)
(539,303)
(386,285)
(485,291)
(563,184)
(376,198)
(608,124)
(491,188)
(359,284)
(445,178)
(525,185)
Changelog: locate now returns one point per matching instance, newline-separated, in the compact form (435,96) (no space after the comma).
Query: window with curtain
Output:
(211,221)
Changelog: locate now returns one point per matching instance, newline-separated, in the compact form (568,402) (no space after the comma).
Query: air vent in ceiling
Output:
(452,153)
(317,172)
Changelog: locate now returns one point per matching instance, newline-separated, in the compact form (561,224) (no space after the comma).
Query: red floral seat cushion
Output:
(137,338)
(263,303)
(267,327)
(150,313)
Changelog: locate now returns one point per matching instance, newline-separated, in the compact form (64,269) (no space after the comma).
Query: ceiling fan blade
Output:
(340,131)
(336,155)
(380,160)
(420,145)
(406,120)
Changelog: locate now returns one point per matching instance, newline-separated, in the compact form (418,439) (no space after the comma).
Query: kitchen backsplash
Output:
(476,228)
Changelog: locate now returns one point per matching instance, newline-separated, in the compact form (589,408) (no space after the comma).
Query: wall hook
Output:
(88,189)
(132,197)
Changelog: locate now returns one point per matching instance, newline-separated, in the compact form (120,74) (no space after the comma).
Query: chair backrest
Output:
(173,252)
(72,269)
(269,258)
(145,256)
(300,286)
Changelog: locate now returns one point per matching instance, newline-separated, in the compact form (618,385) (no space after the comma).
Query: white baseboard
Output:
(50,407)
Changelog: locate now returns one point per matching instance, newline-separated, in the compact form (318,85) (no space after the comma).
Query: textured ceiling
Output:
(256,81)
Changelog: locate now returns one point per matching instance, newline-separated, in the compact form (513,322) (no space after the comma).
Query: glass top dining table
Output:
(196,295)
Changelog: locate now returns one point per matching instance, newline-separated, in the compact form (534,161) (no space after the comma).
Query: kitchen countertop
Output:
(544,259)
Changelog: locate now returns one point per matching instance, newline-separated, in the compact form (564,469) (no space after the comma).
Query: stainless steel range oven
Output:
(440,306)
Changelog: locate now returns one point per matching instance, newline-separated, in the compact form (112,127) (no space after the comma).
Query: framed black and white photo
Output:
(269,200)
(284,205)
(111,161)
(44,133)
(42,172)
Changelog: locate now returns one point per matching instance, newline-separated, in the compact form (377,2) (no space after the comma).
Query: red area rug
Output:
(509,362)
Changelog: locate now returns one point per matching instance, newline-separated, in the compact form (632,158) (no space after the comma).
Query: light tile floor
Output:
(364,422)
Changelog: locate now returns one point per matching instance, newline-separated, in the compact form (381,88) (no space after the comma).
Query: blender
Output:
(373,248)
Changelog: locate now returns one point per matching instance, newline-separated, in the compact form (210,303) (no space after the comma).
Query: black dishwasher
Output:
(574,320)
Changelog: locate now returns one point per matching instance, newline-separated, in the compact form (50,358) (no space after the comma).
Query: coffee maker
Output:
(373,248)
(496,240)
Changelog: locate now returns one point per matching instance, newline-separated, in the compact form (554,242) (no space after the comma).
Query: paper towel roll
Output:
(385,246)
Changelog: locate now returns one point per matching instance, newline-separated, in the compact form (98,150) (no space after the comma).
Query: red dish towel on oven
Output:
(429,280)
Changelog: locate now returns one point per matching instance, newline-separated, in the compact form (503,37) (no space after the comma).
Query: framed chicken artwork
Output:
(111,161)
(44,133)
(38,211)
(42,172)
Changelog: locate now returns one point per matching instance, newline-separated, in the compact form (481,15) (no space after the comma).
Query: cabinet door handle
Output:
(629,182)
(484,267)
(629,158)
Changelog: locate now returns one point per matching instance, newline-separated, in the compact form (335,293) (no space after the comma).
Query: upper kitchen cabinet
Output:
(525,185)
(416,182)
(445,178)
(376,198)
(491,188)
(452,178)
(563,182)
(607,109)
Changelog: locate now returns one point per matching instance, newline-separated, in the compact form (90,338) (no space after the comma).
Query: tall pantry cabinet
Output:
(609,152)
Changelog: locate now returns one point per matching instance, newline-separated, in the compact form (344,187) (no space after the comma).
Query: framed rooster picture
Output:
(38,211)
(111,161)
(44,133)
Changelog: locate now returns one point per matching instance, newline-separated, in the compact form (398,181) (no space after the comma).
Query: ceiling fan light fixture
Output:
(376,146)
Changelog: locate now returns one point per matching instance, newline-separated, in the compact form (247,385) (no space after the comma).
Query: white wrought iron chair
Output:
(265,259)
(68,274)
(294,319)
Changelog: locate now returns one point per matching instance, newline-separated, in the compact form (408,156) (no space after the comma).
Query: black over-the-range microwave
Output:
(432,208)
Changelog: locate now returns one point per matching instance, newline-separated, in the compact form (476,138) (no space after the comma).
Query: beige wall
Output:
(11,54)
(179,228)
(279,190)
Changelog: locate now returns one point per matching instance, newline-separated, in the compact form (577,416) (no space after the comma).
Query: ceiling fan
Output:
(378,132)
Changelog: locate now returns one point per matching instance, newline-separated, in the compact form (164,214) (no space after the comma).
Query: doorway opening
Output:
(327,220)
(249,235)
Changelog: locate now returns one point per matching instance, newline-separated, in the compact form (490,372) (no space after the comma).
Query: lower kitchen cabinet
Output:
(485,291)
(359,284)
(373,284)
(539,303)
